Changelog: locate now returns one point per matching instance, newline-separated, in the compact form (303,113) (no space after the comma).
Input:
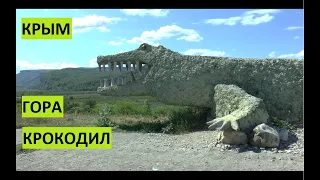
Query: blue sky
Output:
(248,33)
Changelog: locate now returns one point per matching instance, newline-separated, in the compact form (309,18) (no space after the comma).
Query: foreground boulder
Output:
(232,137)
(236,110)
(265,136)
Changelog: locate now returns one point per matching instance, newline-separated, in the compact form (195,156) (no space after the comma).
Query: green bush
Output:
(146,127)
(187,120)
(90,102)
(162,111)
(69,106)
(124,108)
(147,106)
(282,124)
(104,110)
(104,121)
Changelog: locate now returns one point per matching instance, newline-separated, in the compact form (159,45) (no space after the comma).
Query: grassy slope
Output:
(132,113)
(69,79)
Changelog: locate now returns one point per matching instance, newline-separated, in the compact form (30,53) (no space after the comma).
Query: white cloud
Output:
(251,20)
(87,23)
(167,32)
(93,62)
(272,54)
(146,12)
(299,55)
(114,43)
(121,51)
(296,37)
(103,29)
(253,17)
(228,21)
(262,11)
(55,65)
(294,28)
(204,52)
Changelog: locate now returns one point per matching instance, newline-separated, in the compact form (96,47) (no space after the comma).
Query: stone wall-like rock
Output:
(279,82)
(190,80)
(237,110)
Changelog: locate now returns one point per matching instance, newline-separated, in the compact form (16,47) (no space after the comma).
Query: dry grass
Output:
(135,119)
(69,120)
(73,120)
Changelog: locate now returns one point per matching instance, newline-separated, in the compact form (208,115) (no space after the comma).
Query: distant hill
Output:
(28,78)
(69,79)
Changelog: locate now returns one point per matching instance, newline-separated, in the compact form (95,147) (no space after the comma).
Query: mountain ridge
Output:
(74,79)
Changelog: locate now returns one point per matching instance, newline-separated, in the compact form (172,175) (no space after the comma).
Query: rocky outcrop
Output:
(236,110)
(190,80)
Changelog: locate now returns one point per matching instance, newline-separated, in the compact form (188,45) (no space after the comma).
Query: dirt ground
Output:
(157,152)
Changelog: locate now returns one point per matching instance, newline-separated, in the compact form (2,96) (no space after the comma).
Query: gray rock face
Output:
(283,134)
(232,137)
(179,79)
(236,109)
(265,136)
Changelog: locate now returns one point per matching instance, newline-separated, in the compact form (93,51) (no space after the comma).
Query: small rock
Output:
(232,137)
(265,136)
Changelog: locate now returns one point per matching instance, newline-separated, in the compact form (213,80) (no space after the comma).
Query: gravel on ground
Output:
(197,151)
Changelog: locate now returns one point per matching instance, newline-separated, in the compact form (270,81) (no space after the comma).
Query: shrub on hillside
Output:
(187,120)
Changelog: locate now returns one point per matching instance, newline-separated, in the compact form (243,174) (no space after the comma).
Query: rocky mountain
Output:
(71,79)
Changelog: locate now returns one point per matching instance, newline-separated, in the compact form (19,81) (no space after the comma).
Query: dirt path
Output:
(151,152)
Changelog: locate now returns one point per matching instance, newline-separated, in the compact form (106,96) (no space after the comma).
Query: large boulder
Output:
(237,110)
(265,136)
(232,137)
